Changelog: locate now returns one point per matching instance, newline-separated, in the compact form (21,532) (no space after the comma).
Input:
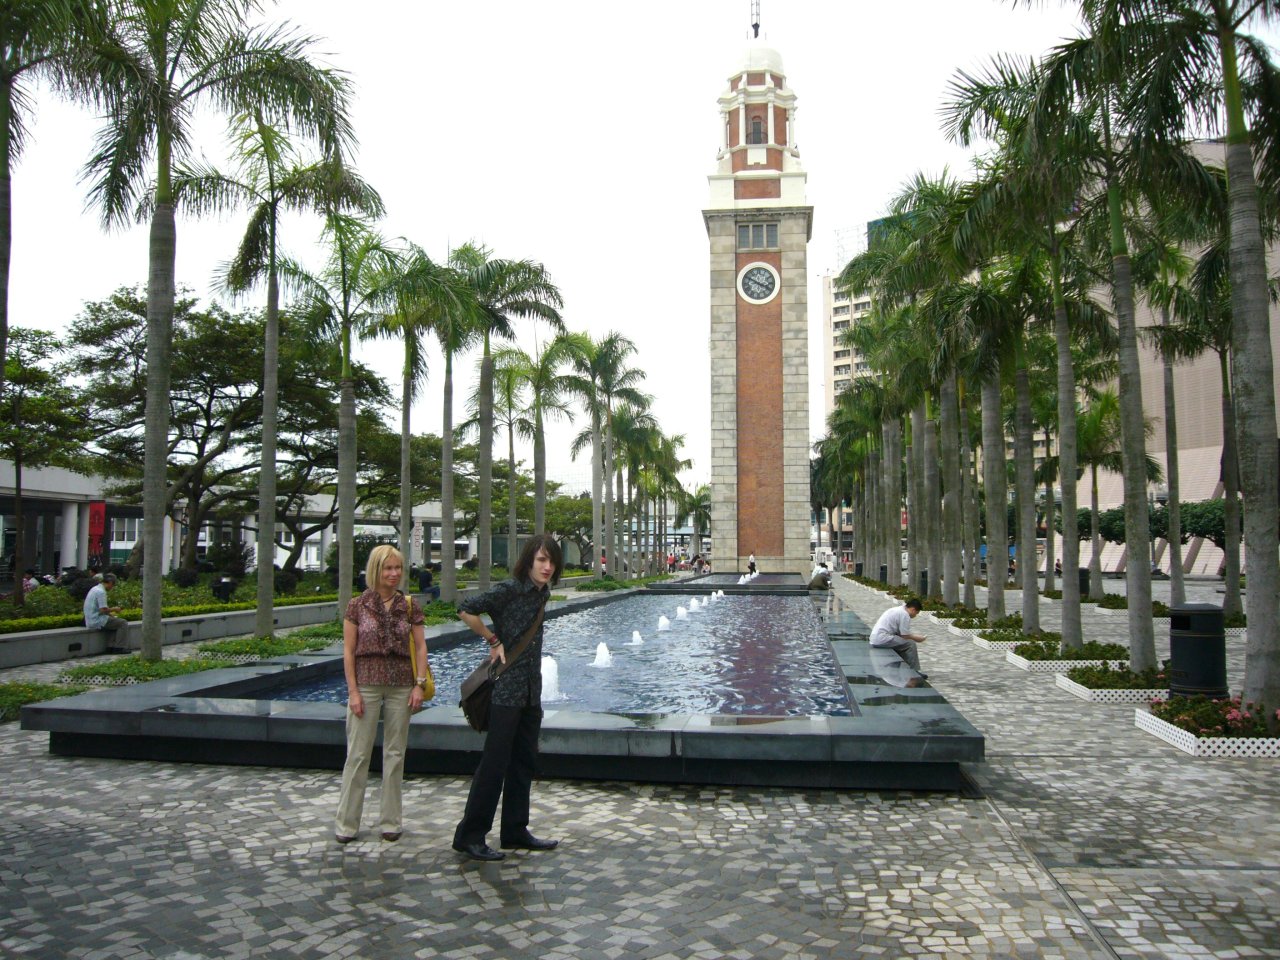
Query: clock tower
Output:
(759,227)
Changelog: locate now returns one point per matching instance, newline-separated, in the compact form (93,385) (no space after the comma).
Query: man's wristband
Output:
(491,640)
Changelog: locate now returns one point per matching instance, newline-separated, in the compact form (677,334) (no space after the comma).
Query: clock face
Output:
(758,284)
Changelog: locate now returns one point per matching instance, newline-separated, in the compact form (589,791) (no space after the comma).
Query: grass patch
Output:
(14,695)
(135,668)
(264,646)
(320,631)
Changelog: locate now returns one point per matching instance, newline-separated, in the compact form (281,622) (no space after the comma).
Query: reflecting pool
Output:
(759,655)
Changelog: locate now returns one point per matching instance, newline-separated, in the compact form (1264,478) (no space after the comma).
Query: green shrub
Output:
(1049,645)
(182,577)
(1213,718)
(44,602)
(1106,677)
(14,695)
(1051,594)
(603,583)
(134,667)
(1235,620)
(1114,601)
(944,612)
(1011,622)
(1159,609)
(970,623)
(20,624)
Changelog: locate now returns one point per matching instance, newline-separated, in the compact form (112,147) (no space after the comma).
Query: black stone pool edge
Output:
(205,718)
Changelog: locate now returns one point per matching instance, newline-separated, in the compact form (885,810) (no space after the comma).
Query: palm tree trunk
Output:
(620,526)
(539,473)
(950,429)
(933,525)
(20,535)
(448,569)
(1048,519)
(1137,524)
(1177,585)
(1068,457)
(969,512)
(406,484)
(513,541)
(995,484)
(610,540)
(6,223)
(346,487)
(913,523)
(160,299)
(264,621)
(1096,591)
(1024,461)
(919,518)
(484,468)
(597,484)
(1253,381)
(1231,499)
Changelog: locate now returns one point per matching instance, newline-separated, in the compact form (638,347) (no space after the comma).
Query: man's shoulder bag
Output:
(477,689)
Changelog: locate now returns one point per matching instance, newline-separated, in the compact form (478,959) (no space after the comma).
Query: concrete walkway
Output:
(1091,840)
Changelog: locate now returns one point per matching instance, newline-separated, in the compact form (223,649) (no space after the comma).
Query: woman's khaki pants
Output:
(392,704)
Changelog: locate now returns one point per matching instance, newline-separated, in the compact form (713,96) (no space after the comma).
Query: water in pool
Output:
(761,655)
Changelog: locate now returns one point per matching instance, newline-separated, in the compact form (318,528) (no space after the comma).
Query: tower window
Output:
(757,236)
(840,311)
(757,131)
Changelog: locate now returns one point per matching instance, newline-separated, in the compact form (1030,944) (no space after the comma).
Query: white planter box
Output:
(1236,633)
(964,631)
(1057,666)
(1106,696)
(100,681)
(1001,645)
(1188,742)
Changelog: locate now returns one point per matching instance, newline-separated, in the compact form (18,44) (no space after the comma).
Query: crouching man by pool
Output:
(892,630)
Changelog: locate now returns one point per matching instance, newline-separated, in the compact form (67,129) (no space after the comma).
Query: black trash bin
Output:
(857,568)
(1197,651)
(924,582)
(361,583)
(1084,581)
(884,573)
(223,589)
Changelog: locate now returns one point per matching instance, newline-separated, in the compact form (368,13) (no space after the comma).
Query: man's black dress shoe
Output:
(479,851)
(530,842)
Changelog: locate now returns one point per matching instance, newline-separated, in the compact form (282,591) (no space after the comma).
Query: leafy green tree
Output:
(571,519)
(160,62)
(43,421)
(215,404)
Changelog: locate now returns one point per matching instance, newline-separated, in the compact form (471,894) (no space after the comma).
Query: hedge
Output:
(77,620)
(134,667)
(14,695)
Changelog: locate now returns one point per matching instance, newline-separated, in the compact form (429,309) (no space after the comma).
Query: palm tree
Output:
(342,301)
(1199,65)
(509,366)
(49,40)
(418,290)
(503,291)
(272,178)
(547,401)
(161,61)
(604,381)
(695,509)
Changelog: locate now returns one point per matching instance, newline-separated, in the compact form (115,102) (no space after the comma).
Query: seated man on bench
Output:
(99,616)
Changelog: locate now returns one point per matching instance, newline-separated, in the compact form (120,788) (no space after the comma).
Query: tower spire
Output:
(755,18)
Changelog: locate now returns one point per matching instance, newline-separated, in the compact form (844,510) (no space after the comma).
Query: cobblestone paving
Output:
(1093,840)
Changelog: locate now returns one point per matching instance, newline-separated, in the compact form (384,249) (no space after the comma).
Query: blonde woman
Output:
(380,684)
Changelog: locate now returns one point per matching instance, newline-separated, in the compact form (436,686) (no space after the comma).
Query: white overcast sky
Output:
(575,133)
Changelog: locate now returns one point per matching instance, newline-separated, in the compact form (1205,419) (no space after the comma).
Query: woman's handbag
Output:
(477,689)
(428,688)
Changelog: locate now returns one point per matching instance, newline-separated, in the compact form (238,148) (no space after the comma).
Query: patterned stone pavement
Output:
(1091,840)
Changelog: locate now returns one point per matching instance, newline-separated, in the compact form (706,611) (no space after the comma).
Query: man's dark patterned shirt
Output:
(512,605)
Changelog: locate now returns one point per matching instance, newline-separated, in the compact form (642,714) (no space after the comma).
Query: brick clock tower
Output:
(759,227)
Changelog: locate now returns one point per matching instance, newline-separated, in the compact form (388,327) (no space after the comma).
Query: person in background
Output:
(426,584)
(509,761)
(100,615)
(892,630)
(380,685)
(29,581)
(751,563)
